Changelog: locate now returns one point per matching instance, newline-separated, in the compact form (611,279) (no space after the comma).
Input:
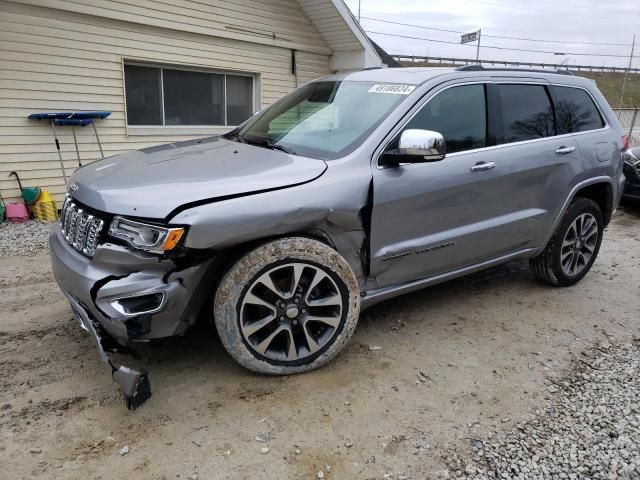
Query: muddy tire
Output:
(573,247)
(287,307)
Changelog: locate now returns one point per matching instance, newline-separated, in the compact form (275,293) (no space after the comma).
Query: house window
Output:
(176,97)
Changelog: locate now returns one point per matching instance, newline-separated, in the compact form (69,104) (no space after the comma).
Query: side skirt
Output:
(372,297)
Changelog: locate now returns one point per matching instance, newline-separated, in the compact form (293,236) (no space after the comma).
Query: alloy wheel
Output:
(579,244)
(291,312)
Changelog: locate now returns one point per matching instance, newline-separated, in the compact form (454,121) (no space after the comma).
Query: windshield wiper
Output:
(235,135)
(267,144)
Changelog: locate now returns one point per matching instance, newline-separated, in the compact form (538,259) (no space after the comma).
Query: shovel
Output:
(29,194)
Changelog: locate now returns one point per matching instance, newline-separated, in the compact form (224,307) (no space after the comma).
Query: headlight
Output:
(150,238)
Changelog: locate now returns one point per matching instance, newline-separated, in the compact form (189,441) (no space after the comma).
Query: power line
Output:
(417,38)
(498,36)
(411,25)
(502,48)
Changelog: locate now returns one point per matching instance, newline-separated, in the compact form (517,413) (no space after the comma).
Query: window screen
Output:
(169,96)
(575,110)
(193,98)
(526,112)
(142,85)
(239,98)
(459,114)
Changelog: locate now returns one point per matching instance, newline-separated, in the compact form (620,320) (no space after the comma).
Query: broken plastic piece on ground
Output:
(135,386)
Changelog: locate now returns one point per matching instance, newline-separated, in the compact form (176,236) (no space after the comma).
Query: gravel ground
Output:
(27,238)
(588,429)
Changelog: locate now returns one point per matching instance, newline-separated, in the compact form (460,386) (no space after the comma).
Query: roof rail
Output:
(480,68)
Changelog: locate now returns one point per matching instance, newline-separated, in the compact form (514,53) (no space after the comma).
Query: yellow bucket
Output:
(44,208)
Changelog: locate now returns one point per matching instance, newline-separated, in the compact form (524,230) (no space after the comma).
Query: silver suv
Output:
(353,189)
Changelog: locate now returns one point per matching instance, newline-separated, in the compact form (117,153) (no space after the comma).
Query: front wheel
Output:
(287,307)
(574,246)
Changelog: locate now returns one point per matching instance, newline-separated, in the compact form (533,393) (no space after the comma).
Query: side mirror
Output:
(417,146)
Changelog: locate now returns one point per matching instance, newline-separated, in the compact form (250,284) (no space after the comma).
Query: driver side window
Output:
(459,114)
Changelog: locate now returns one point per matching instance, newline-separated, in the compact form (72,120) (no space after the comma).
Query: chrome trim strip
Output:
(114,303)
(524,142)
(380,294)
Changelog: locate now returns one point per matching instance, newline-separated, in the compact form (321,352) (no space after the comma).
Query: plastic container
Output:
(17,212)
(45,208)
(30,194)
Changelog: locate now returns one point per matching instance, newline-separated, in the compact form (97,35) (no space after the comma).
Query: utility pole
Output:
(358,11)
(478,49)
(626,75)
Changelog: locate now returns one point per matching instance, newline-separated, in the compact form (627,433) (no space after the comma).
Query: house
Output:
(168,70)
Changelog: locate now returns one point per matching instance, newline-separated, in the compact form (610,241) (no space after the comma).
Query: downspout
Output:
(294,67)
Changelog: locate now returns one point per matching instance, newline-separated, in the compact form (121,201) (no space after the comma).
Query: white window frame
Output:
(163,129)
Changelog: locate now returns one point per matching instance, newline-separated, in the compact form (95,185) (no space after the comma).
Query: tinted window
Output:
(526,112)
(142,85)
(459,114)
(193,98)
(575,110)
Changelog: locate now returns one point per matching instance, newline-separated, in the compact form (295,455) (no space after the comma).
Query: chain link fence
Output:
(630,121)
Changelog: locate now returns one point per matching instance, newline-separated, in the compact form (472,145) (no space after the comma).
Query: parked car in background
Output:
(632,173)
(353,189)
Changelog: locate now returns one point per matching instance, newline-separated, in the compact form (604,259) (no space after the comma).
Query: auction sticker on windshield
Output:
(393,88)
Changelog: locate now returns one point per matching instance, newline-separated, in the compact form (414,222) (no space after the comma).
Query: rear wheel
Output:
(574,246)
(287,307)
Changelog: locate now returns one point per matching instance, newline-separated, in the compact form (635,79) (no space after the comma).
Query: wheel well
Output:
(233,254)
(602,194)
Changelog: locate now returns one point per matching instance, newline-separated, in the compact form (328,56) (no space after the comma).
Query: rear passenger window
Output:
(526,112)
(575,110)
(459,114)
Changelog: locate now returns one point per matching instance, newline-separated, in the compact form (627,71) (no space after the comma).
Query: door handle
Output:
(565,150)
(482,166)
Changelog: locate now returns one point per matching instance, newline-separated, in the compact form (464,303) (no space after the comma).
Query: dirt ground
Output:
(484,345)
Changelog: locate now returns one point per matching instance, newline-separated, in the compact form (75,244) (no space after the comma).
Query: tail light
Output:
(625,142)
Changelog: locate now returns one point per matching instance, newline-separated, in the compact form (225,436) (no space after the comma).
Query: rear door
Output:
(541,160)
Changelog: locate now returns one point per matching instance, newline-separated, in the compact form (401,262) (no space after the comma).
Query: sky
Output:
(571,25)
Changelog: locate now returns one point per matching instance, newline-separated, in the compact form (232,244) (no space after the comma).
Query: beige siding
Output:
(272,22)
(59,60)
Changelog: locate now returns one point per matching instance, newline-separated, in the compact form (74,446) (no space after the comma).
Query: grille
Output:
(79,228)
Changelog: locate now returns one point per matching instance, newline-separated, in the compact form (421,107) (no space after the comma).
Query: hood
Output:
(153,182)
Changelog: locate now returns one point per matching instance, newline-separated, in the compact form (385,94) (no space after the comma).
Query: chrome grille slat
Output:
(79,228)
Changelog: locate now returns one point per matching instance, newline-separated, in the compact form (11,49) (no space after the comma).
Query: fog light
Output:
(140,305)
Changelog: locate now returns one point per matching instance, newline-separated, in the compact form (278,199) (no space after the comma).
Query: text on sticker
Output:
(393,88)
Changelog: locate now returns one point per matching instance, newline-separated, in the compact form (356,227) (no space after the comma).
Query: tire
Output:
(554,264)
(249,314)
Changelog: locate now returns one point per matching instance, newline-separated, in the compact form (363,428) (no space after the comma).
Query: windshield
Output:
(324,120)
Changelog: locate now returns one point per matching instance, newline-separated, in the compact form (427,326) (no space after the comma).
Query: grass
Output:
(609,84)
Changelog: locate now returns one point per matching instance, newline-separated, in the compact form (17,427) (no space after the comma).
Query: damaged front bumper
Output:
(123,297)
(135,386)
